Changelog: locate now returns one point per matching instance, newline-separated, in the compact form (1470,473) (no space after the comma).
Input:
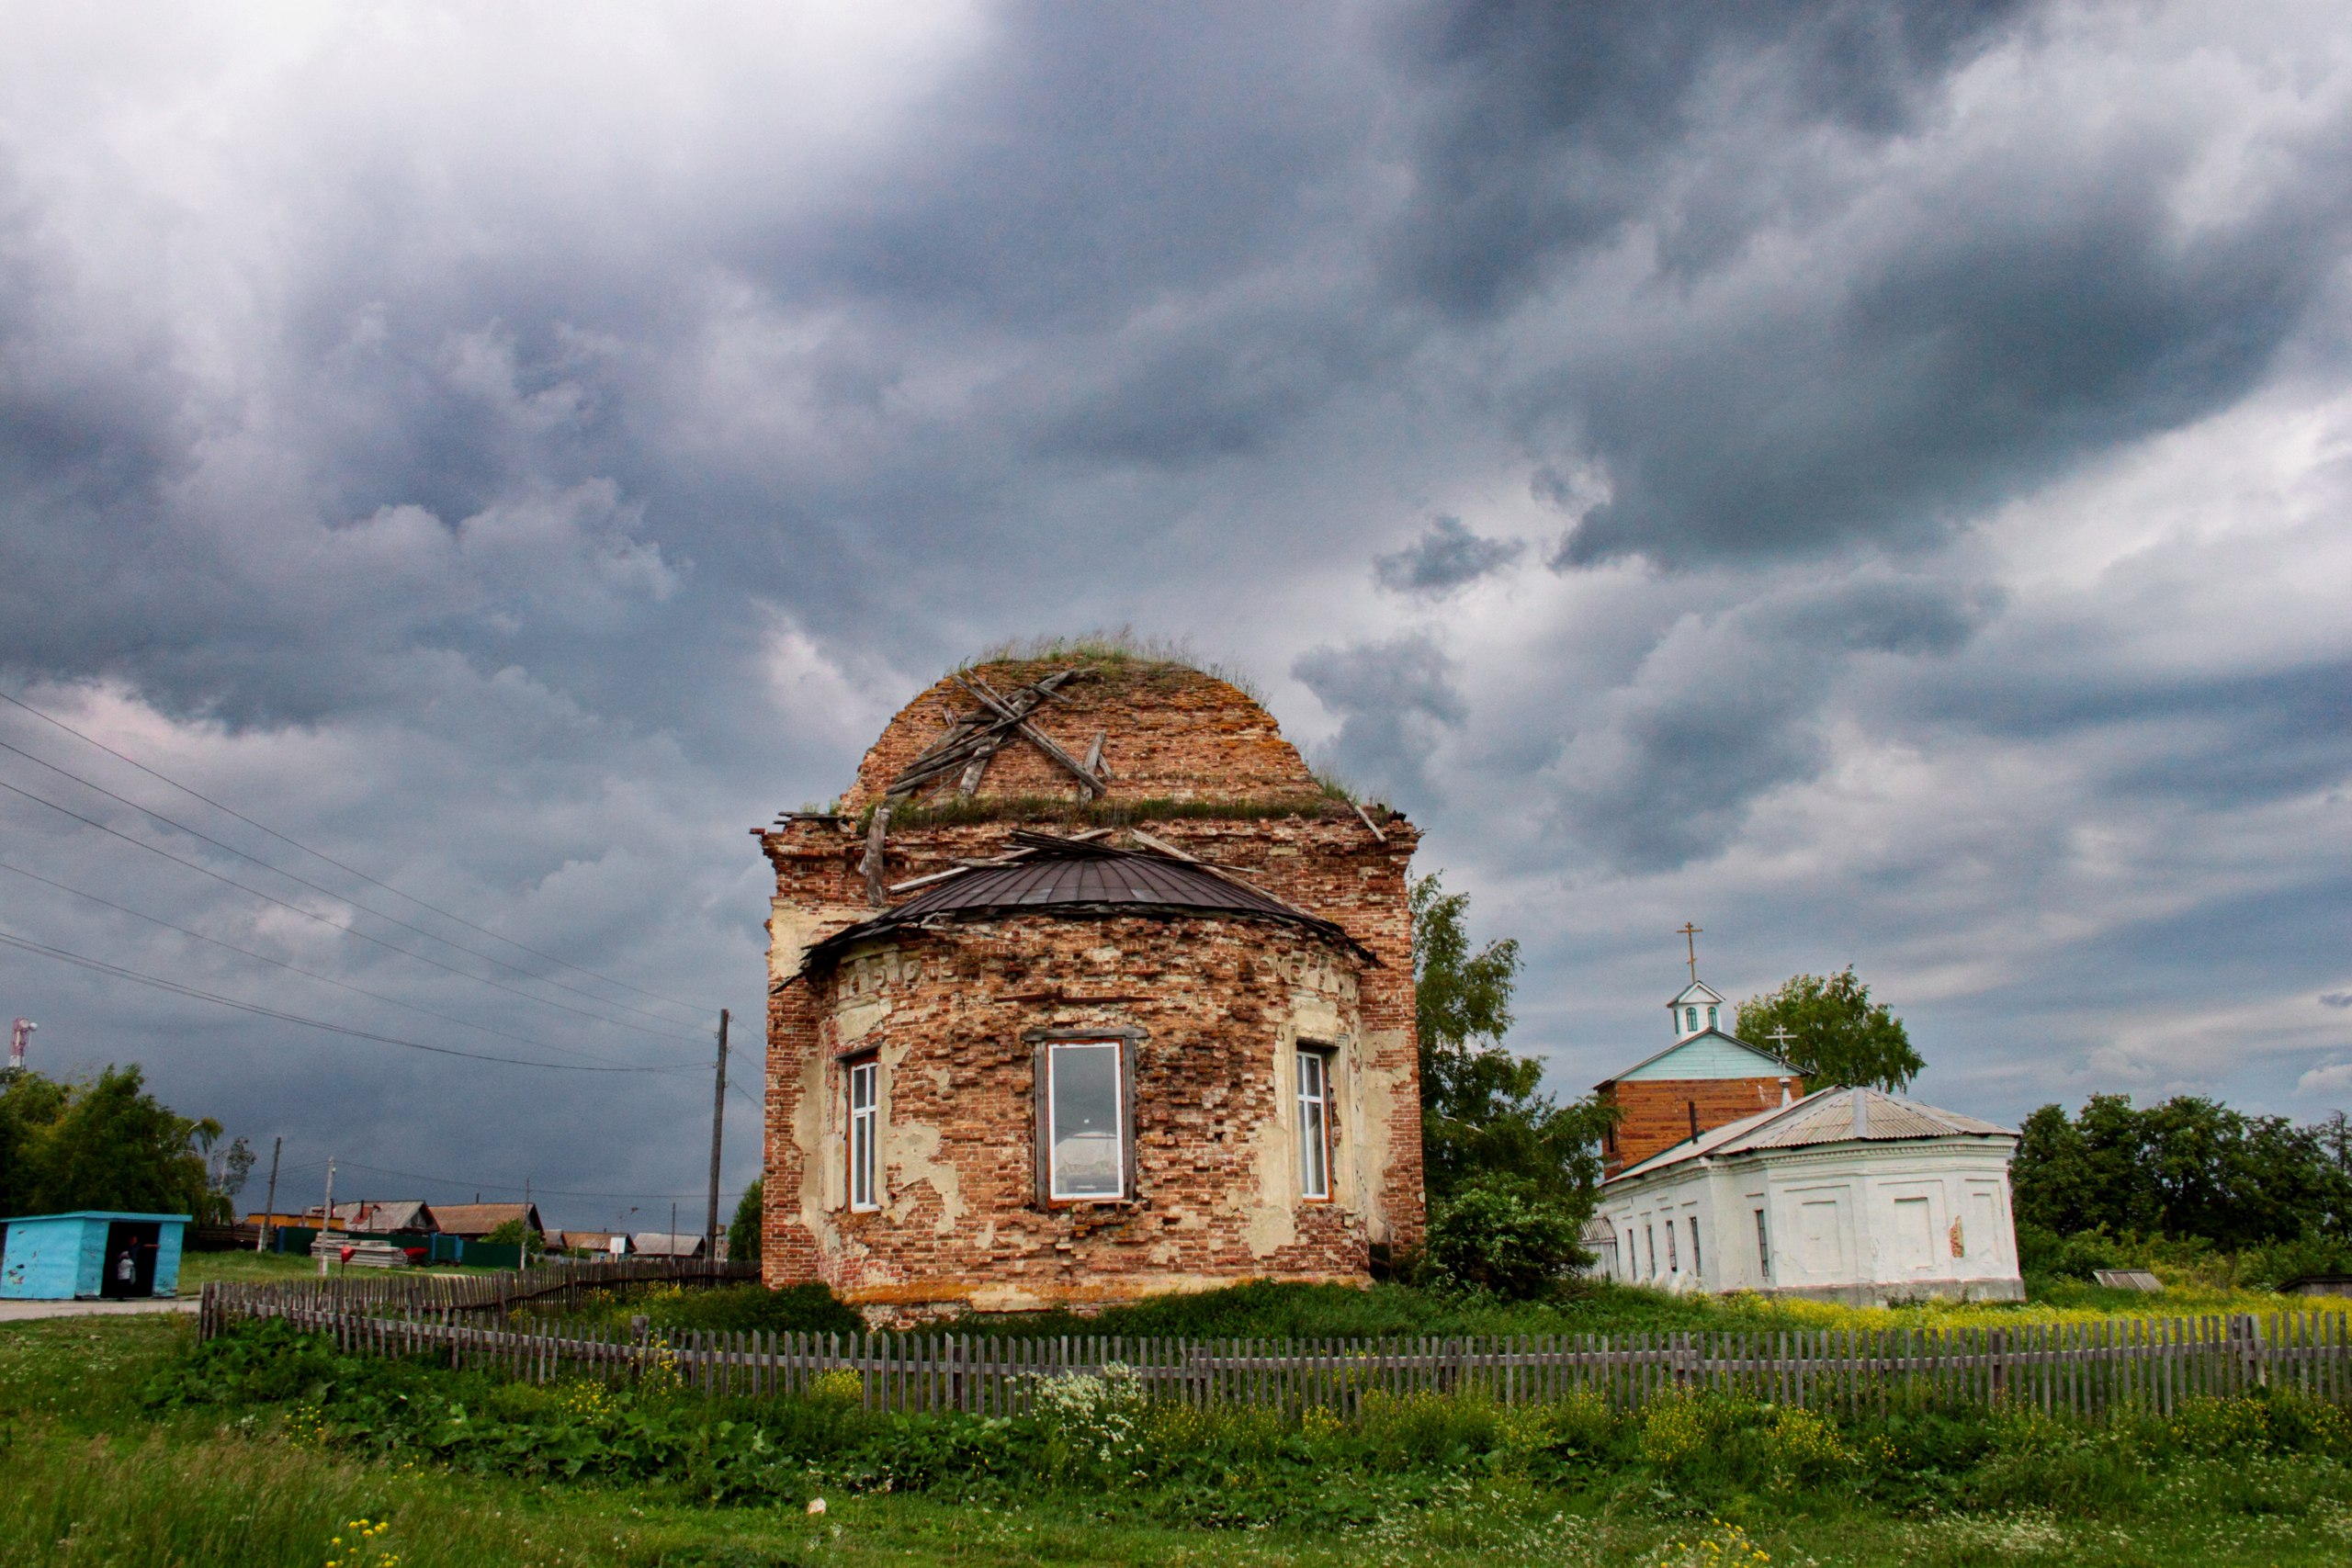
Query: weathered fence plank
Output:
(2096,1371)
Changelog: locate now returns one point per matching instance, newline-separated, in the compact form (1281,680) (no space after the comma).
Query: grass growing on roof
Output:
(1116,645)
(955,811)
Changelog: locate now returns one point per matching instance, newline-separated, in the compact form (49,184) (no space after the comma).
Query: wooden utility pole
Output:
(269,1207)
(717,1126)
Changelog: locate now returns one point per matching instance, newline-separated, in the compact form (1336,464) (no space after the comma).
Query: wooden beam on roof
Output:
(1162,845)
(872,865)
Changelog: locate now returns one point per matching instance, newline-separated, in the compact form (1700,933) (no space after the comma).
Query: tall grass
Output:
(1116,645)
(137,1502)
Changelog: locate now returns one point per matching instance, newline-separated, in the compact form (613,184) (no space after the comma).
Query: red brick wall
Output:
(1227,990)
(1655,1113)
(1170,733)
(947,1013)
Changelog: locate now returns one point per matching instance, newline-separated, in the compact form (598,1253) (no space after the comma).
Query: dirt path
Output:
(24,1312)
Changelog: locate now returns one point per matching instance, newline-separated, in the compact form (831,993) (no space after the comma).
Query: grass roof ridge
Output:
(1115,646)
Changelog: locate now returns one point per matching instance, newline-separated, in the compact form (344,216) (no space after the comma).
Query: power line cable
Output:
(331,925)
(308,974)
(536,1191)
(354,870)
(101,966)
(315,887)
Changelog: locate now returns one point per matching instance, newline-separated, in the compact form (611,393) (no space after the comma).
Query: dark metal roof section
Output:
(1065,877)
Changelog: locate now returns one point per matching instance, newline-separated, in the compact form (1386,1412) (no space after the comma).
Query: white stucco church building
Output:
(1840,1194)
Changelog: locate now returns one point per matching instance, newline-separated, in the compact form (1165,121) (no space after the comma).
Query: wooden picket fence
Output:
(2089,1369)
(463,1294)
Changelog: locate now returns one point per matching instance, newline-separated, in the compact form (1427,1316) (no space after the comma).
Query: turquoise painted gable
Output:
(1708,1054)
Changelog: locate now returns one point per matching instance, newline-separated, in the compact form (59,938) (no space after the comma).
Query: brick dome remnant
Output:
(1168,732)
(1174,896)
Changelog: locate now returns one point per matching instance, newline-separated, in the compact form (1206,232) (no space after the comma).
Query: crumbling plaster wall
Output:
(1330,864)
(1214,1015)
(1169,734)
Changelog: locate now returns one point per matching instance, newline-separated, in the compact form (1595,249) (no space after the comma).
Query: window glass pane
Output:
(863,1119)
(1087,1143)
(1315,1176)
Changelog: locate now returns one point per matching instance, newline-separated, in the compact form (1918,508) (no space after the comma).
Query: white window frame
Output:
(1053,1051)
(1314,1070)
(865,1135)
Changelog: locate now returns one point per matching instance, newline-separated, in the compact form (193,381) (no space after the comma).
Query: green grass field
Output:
(268,1455)
(267,1268)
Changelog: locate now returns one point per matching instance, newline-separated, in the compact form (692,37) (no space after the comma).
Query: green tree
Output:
(103,1144)
(2187,1167)
(1486,1123)
(515,1232)
(1837,1035)
(743,1234)
(1501,1233)
(30,1105)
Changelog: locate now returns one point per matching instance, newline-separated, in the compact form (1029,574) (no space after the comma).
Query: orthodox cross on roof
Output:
(1779,1038)
(1691,934)
(973,738)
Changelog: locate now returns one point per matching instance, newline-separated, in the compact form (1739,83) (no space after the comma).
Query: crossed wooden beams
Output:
(975,737)
(966,749)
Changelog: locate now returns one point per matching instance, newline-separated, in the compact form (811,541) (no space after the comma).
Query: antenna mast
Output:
(20,1035)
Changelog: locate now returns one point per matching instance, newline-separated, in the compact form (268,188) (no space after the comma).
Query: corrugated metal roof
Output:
(1068,877)
(1827,1116)
(1830,1117)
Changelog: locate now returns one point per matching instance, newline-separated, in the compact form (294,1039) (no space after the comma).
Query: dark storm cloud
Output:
(2214,741)
(1949,369)
(1396,699)
(1552,122)
(1103,156)
(1446,557)
(528,493)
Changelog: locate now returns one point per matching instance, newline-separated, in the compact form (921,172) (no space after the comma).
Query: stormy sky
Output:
(1868,478)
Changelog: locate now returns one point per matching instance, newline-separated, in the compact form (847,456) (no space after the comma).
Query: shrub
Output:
(1807,1448)
(743,1232)
(1681,1427)
(1500,1234)
(1090,1416)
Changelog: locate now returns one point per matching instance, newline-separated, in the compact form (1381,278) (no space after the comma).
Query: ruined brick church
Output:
(1087,990)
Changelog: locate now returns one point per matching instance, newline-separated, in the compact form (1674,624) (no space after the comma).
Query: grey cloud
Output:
(1664,768)
(1553,121)
(1952,368)
(1446,557)
(2335,999)
(1889,614)
(2213,740)
(1395,699)
(452,503)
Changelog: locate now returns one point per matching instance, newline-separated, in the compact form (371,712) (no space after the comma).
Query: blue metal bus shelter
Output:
(93,1254)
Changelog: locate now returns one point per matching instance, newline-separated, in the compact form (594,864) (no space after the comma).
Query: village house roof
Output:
(1828,1116)
(472,1220)
(1709,1054)
(1073,876)
(660,1243)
